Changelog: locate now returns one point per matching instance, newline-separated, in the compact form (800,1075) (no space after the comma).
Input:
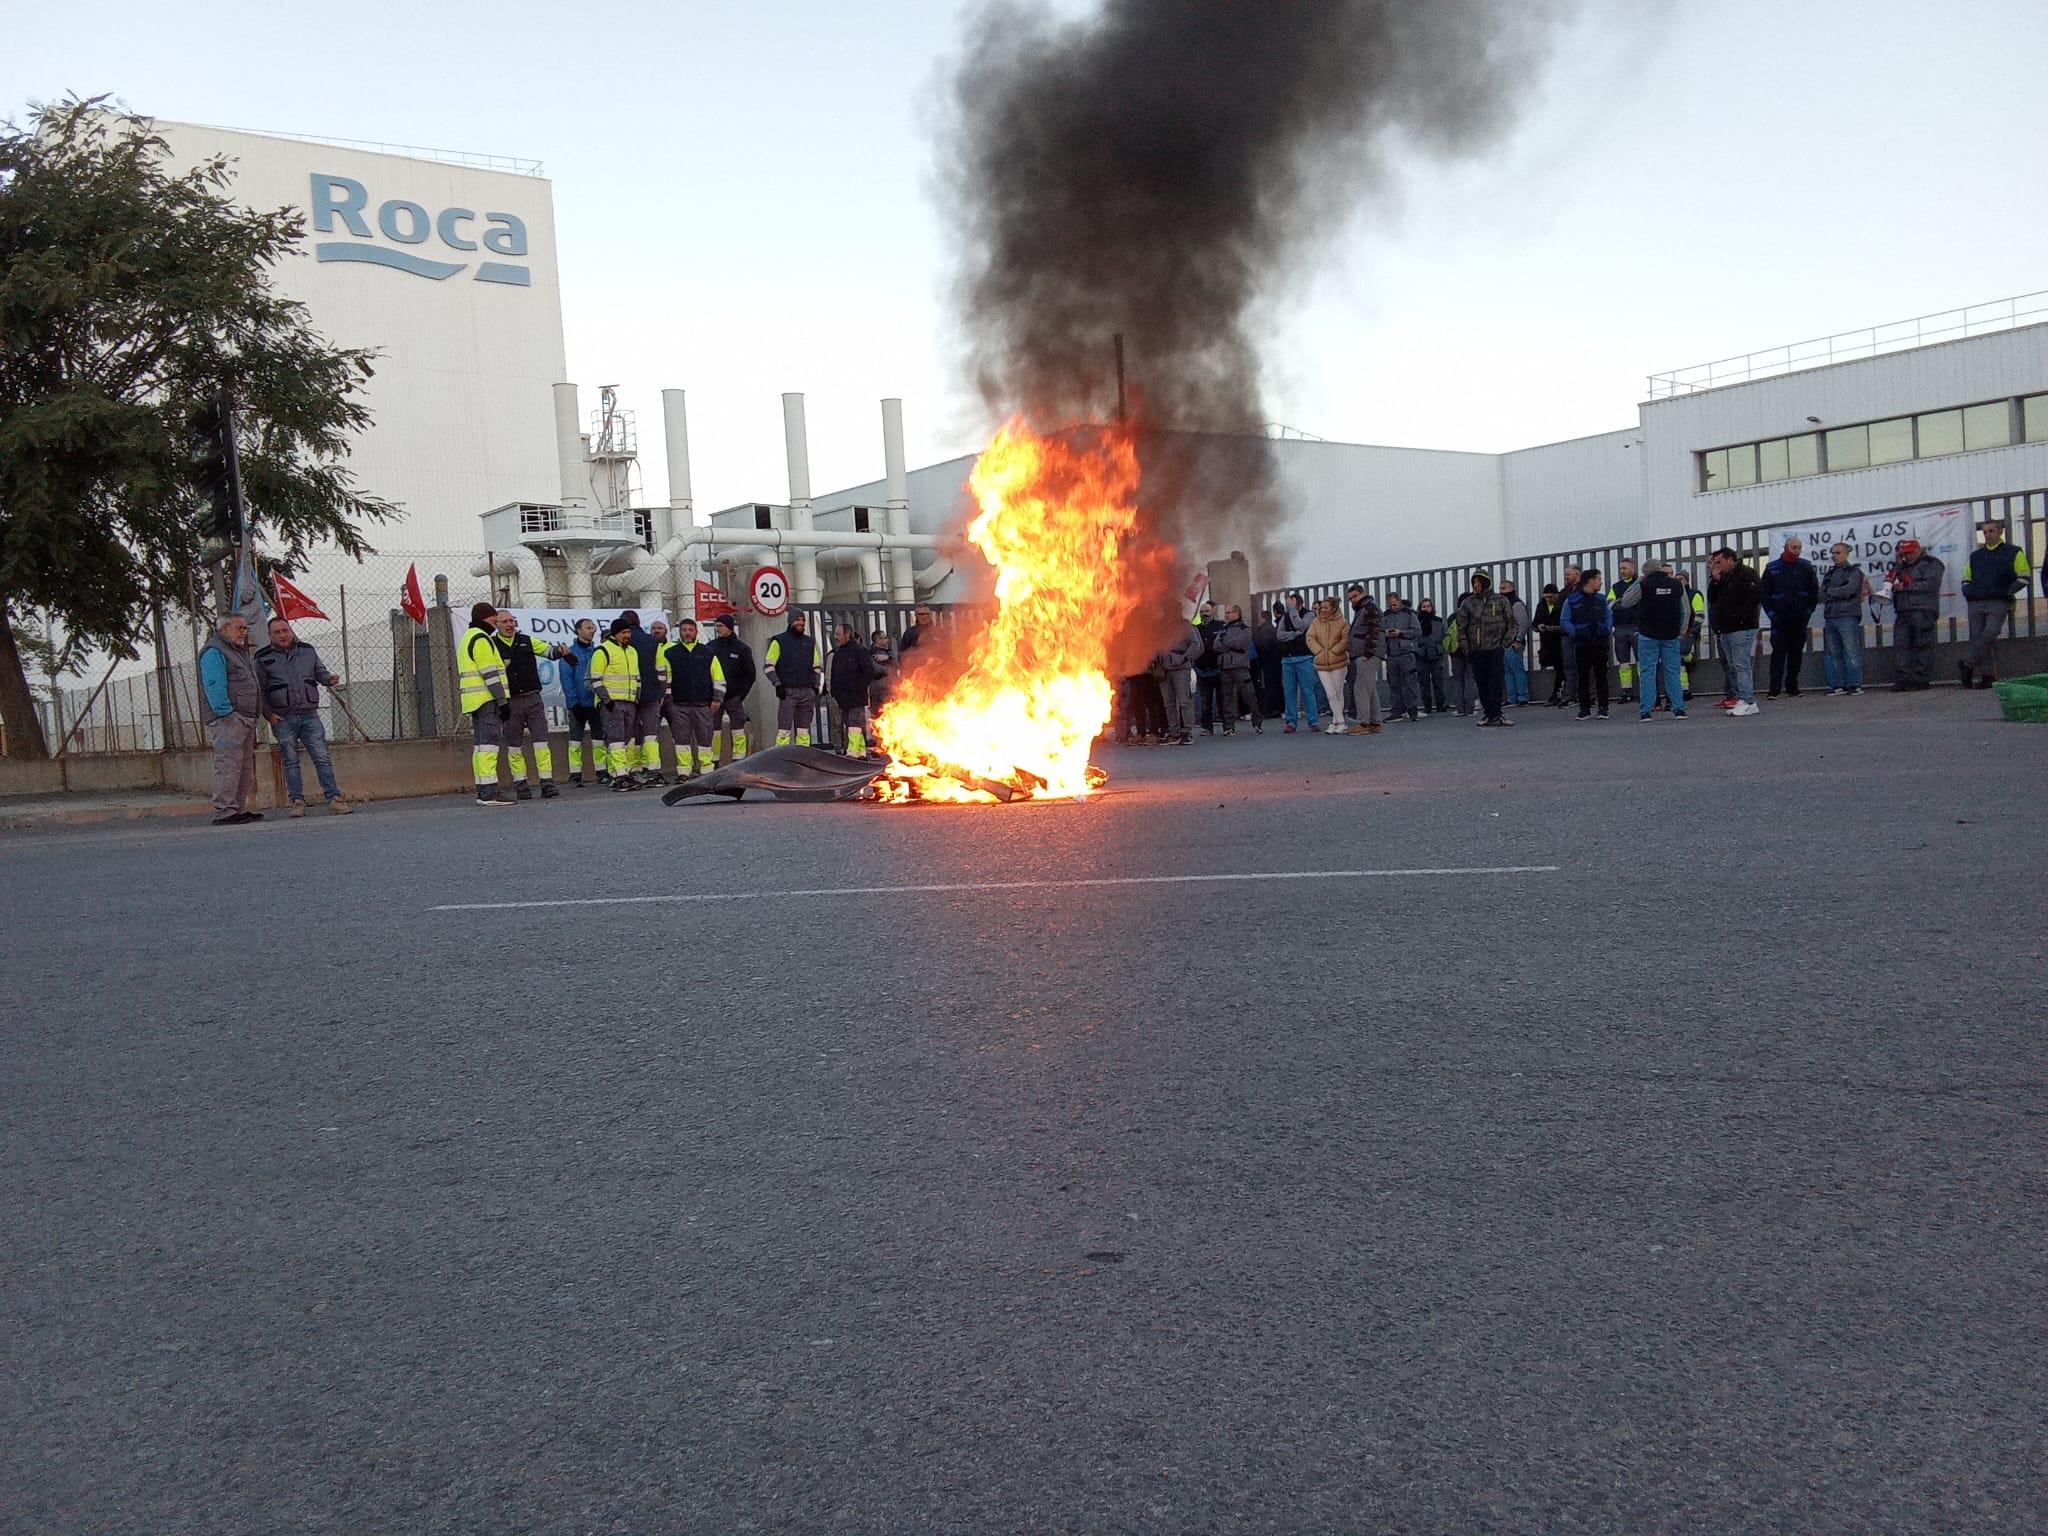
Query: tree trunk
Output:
(17,704)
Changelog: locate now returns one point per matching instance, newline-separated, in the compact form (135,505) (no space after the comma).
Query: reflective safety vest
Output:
(615,673)
(483,669)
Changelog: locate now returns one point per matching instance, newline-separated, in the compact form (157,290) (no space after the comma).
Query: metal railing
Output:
(2025,514)
(515,165)
(1848,346)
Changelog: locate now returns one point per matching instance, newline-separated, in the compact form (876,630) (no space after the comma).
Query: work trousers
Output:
(1298,684)
(1174,701)
(620,721)
(308,730)
(1661,674)
(1515,668)
(730,711)
(794,712)
(1333,685)
(526,716)
(1404,686)
(1913,644)
(1433,682)
(690,726)
(1987,622)
(1489,677)
(1239,698)
(582,718)
(853,730)
(1844,654)
(1625,656)
(1366,687)
(1569,671)
(486,740)
(234,763)
(1592,678)
(1209,693)
(1461,682)
(646,736)
(1788,656)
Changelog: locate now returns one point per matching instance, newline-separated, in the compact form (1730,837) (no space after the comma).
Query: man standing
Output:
(1429,658)
(1916,578)
(1569,658)
(526,717)
(1791,591)
(918,632)
(792,661)
(484,698)
(584,713)
(233,681)
(650,748)
(1624,627)
(1364,676)
(1486,623)
(1209,669)
(1266,664)
(1515,659)
(1660,604)
(1843,590)
(850,673)
(694,680)
(1689,648)
(615,679)
(292,675)
(1234,668)
(1993,577)
(1297,668)
(1179,659)
(729,696)
(644,758)
(1586,621)
(1735,600)
(1401,633)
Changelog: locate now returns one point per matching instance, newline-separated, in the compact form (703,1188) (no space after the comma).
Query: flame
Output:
(1017,720)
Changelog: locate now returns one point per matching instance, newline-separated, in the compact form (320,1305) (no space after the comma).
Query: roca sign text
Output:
(342,204)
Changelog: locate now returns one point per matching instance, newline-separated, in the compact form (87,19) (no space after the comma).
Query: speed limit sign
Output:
(768,591)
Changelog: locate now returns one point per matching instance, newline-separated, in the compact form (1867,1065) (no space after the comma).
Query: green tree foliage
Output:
(131,292)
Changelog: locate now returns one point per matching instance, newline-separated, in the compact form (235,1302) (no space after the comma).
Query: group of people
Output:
(622,687)
(1320,668)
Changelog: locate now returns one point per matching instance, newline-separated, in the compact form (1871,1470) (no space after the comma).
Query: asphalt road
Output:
(1691,1179)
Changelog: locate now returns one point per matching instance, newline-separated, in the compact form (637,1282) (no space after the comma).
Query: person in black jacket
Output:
(1735,600)
(1588,619)
(883,654)
(1791,591)
(850,672)
(1266,664)
(729,705)
(1661,606)
(1548,623)
(643,748)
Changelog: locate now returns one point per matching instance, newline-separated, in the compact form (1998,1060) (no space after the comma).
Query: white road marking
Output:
(999,885)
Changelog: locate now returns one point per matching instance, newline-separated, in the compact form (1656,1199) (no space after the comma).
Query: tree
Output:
(131,293)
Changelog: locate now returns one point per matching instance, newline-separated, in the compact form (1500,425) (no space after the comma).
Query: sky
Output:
(746,200)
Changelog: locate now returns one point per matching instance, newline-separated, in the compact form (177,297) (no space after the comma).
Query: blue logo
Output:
(408,224)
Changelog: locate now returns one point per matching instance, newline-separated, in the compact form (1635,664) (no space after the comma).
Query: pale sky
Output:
(744,201)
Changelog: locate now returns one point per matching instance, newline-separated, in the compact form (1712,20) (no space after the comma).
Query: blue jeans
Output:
(1518,675)
(1738,657)
(1298,688)
(1657,666)
(1844,655)
(294,731)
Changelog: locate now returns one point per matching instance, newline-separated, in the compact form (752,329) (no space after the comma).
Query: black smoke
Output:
(1161,169)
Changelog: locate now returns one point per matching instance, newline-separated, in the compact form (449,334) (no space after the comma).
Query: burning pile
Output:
(1015,717)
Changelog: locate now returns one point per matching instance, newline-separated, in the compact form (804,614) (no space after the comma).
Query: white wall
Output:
(463,415)
(1576,494)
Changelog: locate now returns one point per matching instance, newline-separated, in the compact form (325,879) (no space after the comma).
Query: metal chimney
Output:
(572,458)
(804,576)
(902,587)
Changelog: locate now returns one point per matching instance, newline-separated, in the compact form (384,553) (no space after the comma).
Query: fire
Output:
(1017,720)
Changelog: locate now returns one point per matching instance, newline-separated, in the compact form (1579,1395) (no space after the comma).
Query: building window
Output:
(2034,410)
(1773,460)
(1804,452)
(1742,465)
(1941,432)
(1849,448)
(1987,426)
(1714,468)
(1891,442)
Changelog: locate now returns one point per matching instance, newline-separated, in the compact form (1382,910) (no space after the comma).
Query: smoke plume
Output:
(1160,170)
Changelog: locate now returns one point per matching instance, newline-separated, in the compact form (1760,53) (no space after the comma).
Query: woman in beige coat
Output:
(1329,646)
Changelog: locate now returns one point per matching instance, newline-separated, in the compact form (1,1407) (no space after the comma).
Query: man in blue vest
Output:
(792,661)
(1992,578)
(585,714)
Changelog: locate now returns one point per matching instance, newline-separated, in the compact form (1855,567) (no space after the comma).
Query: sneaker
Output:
(623,786)
(1834,692)
(522,791)
(252,816)
(1585,714)
(1602,715)
(339,807)
(1746,709)
(1258,729)
(1678,714)
(1645,714)
(1772,694)
(604,777)
(1726,704)
(1286,730)
(1851,692)
(1372,730)
(657,781)
(1791,693)
(492,795)
(548,791)
(1503,720)
(298,809)
(232,819)
(576,780)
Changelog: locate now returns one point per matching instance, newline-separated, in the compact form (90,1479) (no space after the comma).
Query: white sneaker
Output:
(1746,709)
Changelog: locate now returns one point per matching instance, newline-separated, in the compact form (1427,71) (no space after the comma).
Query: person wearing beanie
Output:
(736,680)
(615,679)
(484,700)
(1914,586)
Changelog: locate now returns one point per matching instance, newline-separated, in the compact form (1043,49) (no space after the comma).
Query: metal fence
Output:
(2025,514)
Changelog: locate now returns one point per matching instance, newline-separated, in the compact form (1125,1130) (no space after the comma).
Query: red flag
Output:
(1194,590)
(292,603)
(711,602)
(409,597)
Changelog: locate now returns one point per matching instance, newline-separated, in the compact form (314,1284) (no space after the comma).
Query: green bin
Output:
(2024,698)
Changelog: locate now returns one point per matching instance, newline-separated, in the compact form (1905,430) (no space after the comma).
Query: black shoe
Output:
(623,786)
(1966,673)
(232,819)
(657,781)
(1772,694)
(548,791)
(1585,714)
(492,795)
(522,791)
(1603,714)
(603,777)
(576,780)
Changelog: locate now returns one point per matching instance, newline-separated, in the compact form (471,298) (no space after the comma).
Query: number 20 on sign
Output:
(768,591)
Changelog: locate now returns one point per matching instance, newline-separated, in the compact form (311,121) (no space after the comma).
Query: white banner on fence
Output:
(1873,540)
(556,626)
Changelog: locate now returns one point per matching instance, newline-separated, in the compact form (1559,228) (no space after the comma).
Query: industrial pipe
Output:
(796,444)
(572,459)
(529,579)
(901,576)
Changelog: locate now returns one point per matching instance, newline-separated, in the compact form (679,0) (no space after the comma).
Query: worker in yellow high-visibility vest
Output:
(481,673)
(615,679)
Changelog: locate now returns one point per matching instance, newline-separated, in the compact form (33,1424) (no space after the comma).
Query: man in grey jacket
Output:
(1916,578)
(293,675)
(1843,587)
(232,679)
(1401,638)
(1234,657)
(1363,684)
(1179,656)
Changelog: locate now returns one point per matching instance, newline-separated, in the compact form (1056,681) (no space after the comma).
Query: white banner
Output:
(1944,532)
(557,626)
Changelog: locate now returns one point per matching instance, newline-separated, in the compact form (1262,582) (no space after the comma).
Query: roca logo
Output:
(405,224)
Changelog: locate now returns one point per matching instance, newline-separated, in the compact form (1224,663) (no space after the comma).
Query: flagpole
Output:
(346,669)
